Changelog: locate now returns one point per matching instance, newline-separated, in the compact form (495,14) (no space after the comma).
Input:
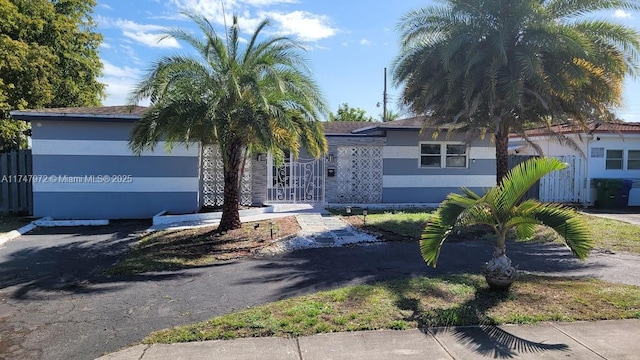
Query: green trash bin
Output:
(607,189)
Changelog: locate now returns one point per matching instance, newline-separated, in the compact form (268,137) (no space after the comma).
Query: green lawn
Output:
(607,234)
(420,302)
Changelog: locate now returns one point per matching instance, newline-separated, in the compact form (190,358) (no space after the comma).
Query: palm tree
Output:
(243,97)
(502,210)
(493,66)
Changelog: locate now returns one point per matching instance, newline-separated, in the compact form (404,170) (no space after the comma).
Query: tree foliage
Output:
(48,58)
(496,66)
(347,113)
(243,97)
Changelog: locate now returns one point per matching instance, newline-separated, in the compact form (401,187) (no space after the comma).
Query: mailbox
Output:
(331,172)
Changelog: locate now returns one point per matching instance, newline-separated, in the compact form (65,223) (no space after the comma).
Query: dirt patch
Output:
(170,250)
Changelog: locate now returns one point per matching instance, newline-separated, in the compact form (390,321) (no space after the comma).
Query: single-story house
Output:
(604,151)
(83,167)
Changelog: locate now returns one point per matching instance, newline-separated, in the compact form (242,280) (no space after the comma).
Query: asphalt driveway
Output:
(56,304)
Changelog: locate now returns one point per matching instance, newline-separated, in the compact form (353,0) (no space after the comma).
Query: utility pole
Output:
(384,98)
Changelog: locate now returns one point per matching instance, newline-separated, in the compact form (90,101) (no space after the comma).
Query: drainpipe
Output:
(587,185)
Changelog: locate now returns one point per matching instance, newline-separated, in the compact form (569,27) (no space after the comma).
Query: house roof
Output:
(416,122)
(131,113)
(593,128)
(344,127)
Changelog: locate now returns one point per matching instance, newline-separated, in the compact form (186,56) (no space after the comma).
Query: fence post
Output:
(16,193)
(4,185)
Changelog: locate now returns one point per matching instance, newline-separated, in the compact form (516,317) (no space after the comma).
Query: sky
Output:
(348,43)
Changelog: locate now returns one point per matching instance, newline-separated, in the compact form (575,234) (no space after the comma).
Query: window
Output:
(633,161)
(430,155)
(457,156)
(443,155)
(614,160)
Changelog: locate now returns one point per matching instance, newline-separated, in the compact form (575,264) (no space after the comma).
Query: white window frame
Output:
(607,159)
(443,154)
(629,159)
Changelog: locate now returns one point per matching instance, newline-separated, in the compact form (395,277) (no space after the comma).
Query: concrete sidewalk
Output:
(616,339)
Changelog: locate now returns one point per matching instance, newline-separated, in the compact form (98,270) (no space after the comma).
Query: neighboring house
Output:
(605,151)
(85,152)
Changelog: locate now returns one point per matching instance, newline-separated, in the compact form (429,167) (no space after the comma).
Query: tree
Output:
(257,96)
(502,210)
(48,58)
(346,113)
(493,66)
(390,116)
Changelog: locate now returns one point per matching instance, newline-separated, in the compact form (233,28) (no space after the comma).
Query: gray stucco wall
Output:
(91,173)
(405,181)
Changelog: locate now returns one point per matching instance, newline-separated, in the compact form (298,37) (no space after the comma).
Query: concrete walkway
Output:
(580,340)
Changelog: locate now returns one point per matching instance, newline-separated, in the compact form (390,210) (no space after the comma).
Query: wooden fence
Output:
(16,193)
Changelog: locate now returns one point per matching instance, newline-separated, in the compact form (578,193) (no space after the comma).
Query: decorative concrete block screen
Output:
(360,174)
(213,178)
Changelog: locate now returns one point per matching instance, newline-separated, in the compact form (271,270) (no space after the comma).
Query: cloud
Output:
(365,42)
(301,24)
(119,81)
(622,14)
(152,40)
(304,25)
(145,34)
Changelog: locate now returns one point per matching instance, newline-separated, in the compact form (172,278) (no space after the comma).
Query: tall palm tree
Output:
(493,66)
(501,209)
(243,97)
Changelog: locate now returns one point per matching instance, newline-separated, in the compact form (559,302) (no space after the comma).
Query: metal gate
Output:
(213,178)
(568,185)
(360,174)
(296,181)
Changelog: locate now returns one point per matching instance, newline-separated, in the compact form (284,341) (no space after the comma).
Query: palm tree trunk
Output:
(230,209)
(502,154)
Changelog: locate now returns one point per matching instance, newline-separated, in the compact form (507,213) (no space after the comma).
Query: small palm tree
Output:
(242,97)
(502,210)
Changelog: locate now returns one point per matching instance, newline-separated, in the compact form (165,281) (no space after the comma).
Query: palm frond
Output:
(566,223)
(522,177)
(433,237)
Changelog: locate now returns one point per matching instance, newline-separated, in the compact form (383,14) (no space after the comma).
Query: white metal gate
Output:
(360,174)
(213,178)
(296,181)
(568,185)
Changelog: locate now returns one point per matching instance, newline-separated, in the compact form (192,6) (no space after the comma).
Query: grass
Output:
(607,234)
(405,223)
(614,235)
(12,222)
(172,250)
(419,302)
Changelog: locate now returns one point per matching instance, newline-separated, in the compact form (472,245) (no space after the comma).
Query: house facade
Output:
(83,168)
(604,151)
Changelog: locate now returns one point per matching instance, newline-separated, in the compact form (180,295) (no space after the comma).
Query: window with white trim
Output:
(614,160)
(633,160)
(443,155)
